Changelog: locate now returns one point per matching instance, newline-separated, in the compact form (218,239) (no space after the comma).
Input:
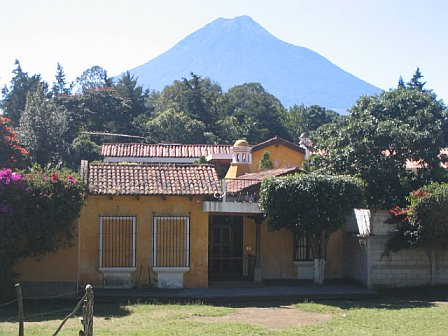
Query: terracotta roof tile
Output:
(162,150)
(251,179)
(147,179)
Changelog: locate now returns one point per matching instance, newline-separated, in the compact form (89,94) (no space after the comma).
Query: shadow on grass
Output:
(39,311)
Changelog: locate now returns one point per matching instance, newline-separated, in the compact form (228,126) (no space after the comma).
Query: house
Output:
(155,218)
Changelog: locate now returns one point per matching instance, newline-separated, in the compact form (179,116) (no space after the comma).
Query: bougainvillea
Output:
(37,212)
(11,153)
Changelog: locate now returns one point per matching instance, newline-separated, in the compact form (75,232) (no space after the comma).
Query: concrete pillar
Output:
(258,271)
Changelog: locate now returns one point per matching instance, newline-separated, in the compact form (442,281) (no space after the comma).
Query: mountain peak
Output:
(239,50)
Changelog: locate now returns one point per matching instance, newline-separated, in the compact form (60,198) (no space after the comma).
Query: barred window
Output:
(117,241)
(171,241)
(302,248)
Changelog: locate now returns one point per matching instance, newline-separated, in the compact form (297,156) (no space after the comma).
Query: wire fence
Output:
(86,301)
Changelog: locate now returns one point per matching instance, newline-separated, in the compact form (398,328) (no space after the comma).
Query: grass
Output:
(399,312)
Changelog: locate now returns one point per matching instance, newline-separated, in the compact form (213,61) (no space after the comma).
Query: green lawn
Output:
(412,312)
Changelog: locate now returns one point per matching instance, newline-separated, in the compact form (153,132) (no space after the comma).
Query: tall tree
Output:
(302,118)
(381,135)
(60,85)
(14,97)
(175,127)
(136,97)
(198,97)
(93,78)
(43,127)
(415,82)
(259,113)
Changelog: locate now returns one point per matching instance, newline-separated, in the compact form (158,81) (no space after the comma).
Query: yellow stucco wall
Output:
(143,208)
(276,247)
(61,265)
(277,252)
(281,157)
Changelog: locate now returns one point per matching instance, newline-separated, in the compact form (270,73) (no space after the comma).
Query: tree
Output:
(82,148)
(11,153)
(93,78)
(60,85)
(37,211)
(174,127)
(14,97)
(198,97)
(43,127)
(127,88)
(265,162)
(415,82)
(380,136)
(312,205)
(302,119)
(106,111)
(259,114)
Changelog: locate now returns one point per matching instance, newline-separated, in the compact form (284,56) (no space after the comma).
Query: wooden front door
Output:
(225,247)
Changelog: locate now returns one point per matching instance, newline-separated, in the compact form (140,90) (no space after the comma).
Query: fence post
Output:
(20,301)
(87,312)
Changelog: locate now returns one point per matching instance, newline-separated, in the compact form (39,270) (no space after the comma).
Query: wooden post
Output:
(20,301)
(88,312)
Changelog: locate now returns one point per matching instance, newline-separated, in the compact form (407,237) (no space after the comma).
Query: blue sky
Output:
(377,40)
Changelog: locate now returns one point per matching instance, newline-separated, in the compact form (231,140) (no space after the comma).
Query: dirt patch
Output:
(273,318)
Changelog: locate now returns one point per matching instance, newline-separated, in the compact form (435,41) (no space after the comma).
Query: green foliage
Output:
(197,97)
(380,136)
(311,204)
(83,148)
(174,127)
(60,85)
(37,211)
(265,162)
(258,114)
(93,78)
(302,119)
(43,127)
(14,97)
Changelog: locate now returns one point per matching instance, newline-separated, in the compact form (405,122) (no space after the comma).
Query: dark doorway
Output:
(225,248)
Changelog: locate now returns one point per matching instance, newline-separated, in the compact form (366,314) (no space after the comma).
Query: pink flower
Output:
(55,177)
(72,180)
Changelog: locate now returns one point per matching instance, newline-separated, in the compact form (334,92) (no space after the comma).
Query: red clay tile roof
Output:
(147,179)
(162,150)
(251,179)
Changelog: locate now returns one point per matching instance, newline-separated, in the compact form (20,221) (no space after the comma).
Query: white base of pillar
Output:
(170,277)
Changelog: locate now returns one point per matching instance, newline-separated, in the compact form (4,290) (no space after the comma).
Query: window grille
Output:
(302,248)
(171,241)
(117,241)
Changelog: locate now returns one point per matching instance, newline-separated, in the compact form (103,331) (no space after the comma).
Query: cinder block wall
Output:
(367,264)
